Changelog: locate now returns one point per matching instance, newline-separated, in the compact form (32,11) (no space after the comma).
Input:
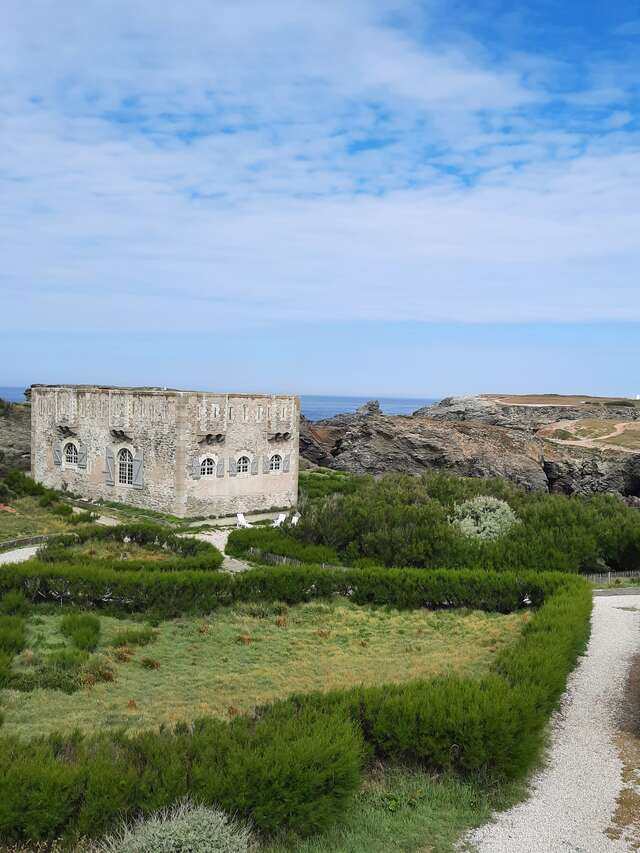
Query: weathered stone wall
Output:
(253,427)
(168,433)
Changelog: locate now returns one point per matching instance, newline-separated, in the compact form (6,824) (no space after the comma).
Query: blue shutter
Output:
(254,465)
(233,469)
(195,468)
(138,470)
(220,468)
(266,462)
(82,456)
(285,463)
(109,467)
(57,453)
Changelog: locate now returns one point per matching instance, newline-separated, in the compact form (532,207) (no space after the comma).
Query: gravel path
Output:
(219,539)
(573,798)
(19,555)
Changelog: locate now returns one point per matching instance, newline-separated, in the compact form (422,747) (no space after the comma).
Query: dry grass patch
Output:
(248,655)
(29,519)
(112,549)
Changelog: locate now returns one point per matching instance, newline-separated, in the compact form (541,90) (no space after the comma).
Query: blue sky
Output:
(387,196)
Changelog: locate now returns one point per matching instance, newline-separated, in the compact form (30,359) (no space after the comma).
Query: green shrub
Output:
(134,637)
(183,828)
(484,517)
(20,484)
(190,554)
(399,520)
(295,769)
(259,541)
(14,603)
(6,494)
(83,629)
(12,634)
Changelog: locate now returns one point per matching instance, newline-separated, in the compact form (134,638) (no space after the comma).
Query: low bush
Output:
(484,517)
(183,828)
(134,637)
(399,520)
(66,670)
(173,593)
(259,541)
(14,603)
(295,769)
(21,485)
(13,634)
(190,554)
(83,629)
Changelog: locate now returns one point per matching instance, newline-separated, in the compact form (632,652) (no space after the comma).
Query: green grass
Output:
(249,655)
(409,811)
(30,519)
(113,549)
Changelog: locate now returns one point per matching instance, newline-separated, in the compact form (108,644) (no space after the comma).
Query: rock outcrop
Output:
(477,437)
(15,436)
(489,410)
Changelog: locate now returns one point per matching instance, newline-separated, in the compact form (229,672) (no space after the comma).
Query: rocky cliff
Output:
(478,437)
(15,436)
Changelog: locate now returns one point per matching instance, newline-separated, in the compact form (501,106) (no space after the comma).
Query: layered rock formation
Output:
(478,437)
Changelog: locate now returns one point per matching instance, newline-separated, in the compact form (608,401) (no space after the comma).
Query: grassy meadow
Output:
(248,655)
(29,519)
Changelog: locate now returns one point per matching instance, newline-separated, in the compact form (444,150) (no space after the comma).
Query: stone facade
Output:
(181,452)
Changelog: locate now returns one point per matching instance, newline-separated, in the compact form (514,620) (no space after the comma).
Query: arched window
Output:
(125,467)
(275,464)
(71,454)
(243,465)
(207,467)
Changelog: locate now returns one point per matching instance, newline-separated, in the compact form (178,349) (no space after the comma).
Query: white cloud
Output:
(170,167)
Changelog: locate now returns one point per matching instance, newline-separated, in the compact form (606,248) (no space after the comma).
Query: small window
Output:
(215,411)
(245,413)
(207,467)
(243,465)
(259,413)
(125,467)
(276,463)
(230,413)
(71,454)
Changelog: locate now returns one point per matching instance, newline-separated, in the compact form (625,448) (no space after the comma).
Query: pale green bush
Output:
(182,828)
(484,517)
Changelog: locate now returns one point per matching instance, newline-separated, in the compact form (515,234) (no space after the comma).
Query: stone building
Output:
(181,452)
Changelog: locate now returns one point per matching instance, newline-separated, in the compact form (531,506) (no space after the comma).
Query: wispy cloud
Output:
(170,165)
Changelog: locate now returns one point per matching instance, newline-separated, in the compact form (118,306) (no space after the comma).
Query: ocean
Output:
(314,407)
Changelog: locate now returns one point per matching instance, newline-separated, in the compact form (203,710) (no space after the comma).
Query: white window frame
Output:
(128,481)
(275,467)
(203,466)
(239,471)
(70,463)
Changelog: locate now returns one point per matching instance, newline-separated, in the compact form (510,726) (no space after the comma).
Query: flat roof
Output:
(151,389)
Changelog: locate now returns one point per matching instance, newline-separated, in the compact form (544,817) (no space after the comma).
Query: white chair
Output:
(295,519)
(242,521)
(279,520)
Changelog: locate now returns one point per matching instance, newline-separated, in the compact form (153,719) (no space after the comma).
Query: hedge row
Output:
(294,764)
(295,769)
(191,554)
(269,540)
(171,593)
(493,725)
